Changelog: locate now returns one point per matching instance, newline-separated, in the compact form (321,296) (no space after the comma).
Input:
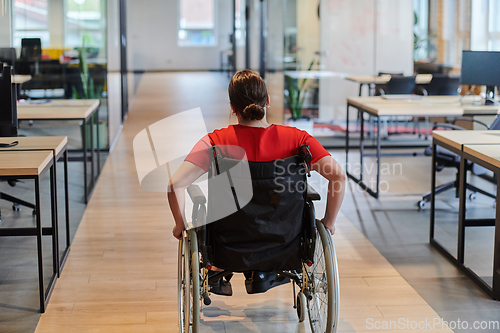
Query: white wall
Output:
(152,37)
(5,28)
(362,37)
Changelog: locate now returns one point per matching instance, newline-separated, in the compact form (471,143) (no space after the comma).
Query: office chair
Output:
(8,116)
(445,158)
(442,84)
(8,55)
(397,85)
(31,49)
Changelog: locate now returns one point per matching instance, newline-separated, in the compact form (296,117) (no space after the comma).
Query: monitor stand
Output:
(490,95)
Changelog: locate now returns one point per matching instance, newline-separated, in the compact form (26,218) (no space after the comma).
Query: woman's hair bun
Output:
(253,112)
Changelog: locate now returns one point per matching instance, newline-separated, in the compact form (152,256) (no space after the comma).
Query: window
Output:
(485,25)
(85,21)
(197,23)
(240,22)
(30,20)
(421,29)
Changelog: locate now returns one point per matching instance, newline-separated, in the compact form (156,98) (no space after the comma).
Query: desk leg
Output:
(53,213)
(361,143)
(39,244)
(378,158)
(85,189)
(496,253)
(433,193)
(66,198)
(462,188)
(347,139)
(92,150)
(98,145)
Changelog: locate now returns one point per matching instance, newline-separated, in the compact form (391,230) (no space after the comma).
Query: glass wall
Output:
(73,63)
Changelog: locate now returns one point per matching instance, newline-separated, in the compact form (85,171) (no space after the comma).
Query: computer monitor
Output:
(481,68)
(8,102)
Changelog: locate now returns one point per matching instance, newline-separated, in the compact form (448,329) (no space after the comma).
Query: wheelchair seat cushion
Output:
(265,234)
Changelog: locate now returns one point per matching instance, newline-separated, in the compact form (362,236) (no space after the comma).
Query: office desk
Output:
(377,107)
(33,165)
(483,148)
(83,110)
(58,146)
(20,79)
(383,79)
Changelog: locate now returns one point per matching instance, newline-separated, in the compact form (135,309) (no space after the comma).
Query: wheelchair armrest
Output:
(312,194)
(196,195)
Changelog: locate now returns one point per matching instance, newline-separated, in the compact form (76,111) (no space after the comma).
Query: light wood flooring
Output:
(121,272)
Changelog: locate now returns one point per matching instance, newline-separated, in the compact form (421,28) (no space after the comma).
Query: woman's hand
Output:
(329,227)
(177,231)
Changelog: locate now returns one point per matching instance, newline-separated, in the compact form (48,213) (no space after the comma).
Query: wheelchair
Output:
(306,255)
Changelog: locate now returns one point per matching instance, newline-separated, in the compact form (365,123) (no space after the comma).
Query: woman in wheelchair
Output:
(269,235)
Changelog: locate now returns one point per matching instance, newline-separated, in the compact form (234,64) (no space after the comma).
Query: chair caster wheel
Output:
(472,196)
(421,204)
(16,207)
(301,306)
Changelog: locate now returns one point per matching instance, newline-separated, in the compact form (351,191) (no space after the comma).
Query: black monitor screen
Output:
(481,68)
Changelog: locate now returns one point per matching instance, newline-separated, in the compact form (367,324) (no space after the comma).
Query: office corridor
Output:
(121,275)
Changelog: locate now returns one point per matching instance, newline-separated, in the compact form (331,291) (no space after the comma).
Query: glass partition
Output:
(73,62)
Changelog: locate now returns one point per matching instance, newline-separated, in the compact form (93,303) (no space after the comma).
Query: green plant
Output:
(419,43)
(90,89)
(294,94)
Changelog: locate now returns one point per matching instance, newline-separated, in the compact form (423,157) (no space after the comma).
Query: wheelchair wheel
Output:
(189,283)
(323,285)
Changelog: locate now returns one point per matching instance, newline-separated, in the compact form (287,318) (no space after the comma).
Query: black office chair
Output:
(8,97)
(8,55)
(441,84)
(397,85)
(31,49)
(446,158)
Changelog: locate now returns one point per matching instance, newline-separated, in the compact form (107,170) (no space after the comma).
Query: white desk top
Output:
(457,139)
(383,79)
(487,153)
(24,163)
(55,143)
(57,109)
(20,79)
(432,106)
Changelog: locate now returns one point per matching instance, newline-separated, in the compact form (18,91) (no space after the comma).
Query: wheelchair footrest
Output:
(222,286)
(260,282)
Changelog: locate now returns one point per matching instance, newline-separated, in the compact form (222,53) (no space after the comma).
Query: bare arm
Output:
(183,177)
(333,172)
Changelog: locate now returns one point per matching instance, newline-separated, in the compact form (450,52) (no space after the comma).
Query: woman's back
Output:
(260,144)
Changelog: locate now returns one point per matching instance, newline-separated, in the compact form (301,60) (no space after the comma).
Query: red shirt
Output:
(260,144)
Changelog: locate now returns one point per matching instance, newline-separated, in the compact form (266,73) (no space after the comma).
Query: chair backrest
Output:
(400,85)
(387,73)
(265,234)
(8,55)
(31,49)
(442,84)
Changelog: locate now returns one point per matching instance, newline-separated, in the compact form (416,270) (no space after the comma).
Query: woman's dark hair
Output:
(248,95)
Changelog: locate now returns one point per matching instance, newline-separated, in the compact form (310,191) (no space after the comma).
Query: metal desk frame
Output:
(463,222)
(87,190)
(38,231)
(376,192)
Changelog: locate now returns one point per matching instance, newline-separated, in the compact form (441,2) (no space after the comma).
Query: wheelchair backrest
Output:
(264,234)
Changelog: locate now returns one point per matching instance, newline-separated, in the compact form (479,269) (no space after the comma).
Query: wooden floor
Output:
(121,273)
